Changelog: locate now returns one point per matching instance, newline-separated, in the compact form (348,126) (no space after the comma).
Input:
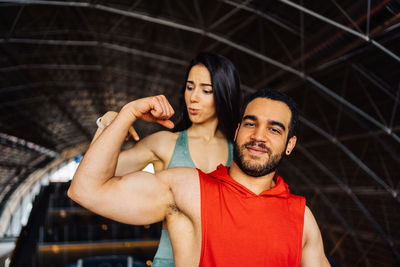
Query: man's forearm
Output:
(100,160)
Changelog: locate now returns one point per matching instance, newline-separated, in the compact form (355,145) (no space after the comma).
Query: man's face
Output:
(261,139)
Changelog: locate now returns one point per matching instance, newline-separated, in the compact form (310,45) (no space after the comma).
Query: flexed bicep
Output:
(137,198)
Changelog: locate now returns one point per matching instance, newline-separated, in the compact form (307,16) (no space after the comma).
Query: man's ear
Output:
(290,145)
(236,132)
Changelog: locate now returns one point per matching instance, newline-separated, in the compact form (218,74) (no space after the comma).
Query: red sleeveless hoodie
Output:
(240,228)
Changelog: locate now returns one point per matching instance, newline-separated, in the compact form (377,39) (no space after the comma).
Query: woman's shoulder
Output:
(161,138)
(164,135)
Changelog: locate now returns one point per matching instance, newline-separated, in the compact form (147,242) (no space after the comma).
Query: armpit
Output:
(173,209)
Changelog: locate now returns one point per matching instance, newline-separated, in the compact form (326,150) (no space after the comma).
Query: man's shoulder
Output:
(185,187)
(179,175)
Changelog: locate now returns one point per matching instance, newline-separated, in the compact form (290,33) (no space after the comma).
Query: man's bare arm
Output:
(147,148)
(313,254)
(136,198)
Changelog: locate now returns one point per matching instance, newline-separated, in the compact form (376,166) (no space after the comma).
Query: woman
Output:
(211,101)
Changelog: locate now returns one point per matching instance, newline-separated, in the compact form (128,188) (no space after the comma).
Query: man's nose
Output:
(259,134)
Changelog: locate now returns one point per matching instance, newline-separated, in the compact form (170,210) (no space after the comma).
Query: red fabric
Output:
(240,228)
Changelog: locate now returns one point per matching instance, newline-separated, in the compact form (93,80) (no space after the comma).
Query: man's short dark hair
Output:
(278,96)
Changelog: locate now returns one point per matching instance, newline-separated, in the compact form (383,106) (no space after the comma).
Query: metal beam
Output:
(263,15)
(310,185)
(355,199)
(374,79)
(15,22)
(364,235)
(111,46)
(52,97)
(346,15)
(80,83)
(24,144)
(395,156)
(227,16)
(342,27)
(222,40)
(194,29)
(368,18)
(359,190)
(215,37)
(340,99)
(353,157)
(325,19)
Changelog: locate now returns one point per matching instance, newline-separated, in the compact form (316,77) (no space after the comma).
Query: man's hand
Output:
(152,109)
(95,185)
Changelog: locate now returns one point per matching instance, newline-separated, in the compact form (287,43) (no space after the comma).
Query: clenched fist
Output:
(152,109)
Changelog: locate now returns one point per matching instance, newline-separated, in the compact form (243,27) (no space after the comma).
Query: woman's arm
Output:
(151,149)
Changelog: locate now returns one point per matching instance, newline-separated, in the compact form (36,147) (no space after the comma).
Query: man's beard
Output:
(254,169)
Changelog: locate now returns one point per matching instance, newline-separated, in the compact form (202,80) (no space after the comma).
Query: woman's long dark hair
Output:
(227,94)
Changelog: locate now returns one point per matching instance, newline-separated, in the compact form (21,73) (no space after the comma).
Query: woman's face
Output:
(199,95)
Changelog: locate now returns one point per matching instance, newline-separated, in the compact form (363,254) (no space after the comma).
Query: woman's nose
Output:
(194,96)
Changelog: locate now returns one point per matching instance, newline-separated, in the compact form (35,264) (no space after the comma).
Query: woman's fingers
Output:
(166,123)
(133,133)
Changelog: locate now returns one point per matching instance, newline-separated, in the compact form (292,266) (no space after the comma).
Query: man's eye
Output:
(274,130)
(249,124)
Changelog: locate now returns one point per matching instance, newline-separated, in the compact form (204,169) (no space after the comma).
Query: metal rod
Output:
(327,202)
(325,19)
(353,157)
(228,42)
(193,29)
(302,38)
(263,15)
(355,199)
(255,54)
(139,52)
(227,16)
(19,142)
(375,80)
(95,43)
(234,45)
(384,49)
(340,26)
(352,107)
(368,17)
(346,15)
(15,22)
(396,103)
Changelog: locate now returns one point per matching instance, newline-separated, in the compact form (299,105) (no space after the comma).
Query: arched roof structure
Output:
(64,63)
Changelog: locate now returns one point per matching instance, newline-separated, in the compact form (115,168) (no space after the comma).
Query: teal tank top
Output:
(180,158)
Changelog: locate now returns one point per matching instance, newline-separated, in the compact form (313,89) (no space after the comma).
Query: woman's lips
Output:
(193,111)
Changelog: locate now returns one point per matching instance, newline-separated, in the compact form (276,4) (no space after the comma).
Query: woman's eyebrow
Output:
(202,84)
(250,117)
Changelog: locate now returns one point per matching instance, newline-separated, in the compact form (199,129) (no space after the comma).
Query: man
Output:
(241,216)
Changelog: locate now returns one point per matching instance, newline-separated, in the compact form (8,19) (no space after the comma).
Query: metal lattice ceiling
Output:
(64,63)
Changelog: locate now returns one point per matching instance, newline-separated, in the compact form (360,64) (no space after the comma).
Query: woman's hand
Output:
(108,118)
